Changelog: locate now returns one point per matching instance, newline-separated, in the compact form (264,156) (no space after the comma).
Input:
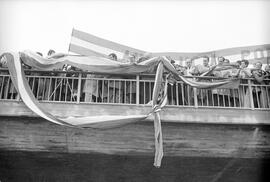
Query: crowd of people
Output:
(259,78)
(63,85)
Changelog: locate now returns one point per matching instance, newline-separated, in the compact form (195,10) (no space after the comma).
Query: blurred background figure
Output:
(113,56)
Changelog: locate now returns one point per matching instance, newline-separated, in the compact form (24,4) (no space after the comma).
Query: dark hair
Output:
(39,53)
(113,55)
(50,52)
(245,61)
(206,57)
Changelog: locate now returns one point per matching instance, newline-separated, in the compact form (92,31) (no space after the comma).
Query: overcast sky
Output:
(155,26)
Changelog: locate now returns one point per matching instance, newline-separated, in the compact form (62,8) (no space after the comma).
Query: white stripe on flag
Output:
(94,47)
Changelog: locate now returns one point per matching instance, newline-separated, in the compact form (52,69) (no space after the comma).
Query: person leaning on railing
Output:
(222,97)
(244,72)
(116,88)
(259,90)
(204,95)
(189,70)
(90,88)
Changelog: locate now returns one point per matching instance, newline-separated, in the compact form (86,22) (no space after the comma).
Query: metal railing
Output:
(85,87)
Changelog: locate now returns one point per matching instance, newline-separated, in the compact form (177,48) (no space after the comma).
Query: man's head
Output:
(50,52)
(258,65)
(3,61)
(227,61)
(113,56)
(244,63)
(126,53)
(188,62)
(267,67)
(206,61)
(221,60)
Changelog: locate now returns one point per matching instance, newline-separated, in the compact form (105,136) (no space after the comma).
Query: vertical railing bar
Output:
(218,91)
(177,94)
(267,97)
(201,93)
(108,94)
(120,90)
(239,96)
(102,90)
(97,90)
(207,98)
(137,89)
(250,95)
(12,90)
(229,97)
(113,91)
(188,96)
(257,96)
(149,90)
(49,91)
(183,98)
(195,97)
(2,86)
(66,90)
(234,100)
(262,96)
(8,85)
(223,98)
(44,87)
(38,87)
(33,84)
(61,86)
(212,96)
(55,89)
(171,94)
(72,96)
(144,92)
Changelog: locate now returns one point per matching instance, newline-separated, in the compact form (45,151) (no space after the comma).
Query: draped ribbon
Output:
(100,66)
(157,105)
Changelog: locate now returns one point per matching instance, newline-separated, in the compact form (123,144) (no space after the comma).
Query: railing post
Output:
(250,95)
(195,97)
(79,88)
(137,89)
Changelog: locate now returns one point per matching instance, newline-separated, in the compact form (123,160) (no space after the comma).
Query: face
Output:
(258,65)
(226,61)
(188,63)
(3,61)
(243,64)
(132,59)
(220,60)
(51,53)
(205,61)
(112,57)
(267,68)
(126,53)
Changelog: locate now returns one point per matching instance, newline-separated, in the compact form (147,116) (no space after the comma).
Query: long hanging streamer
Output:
(157,105)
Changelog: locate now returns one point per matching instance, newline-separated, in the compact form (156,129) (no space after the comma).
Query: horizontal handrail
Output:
(110,89)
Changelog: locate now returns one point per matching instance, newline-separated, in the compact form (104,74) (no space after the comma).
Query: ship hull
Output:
(180,139)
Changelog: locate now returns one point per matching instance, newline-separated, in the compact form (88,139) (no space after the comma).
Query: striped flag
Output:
(86,44)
